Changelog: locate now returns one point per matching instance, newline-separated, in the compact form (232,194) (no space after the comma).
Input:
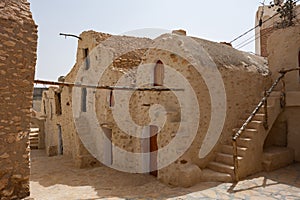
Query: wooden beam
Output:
(105,87)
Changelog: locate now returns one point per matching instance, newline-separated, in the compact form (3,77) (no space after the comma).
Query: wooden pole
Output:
(105,87)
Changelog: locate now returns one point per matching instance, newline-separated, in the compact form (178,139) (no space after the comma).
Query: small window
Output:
(44,105)
(51,114)
(60,147)
(111,99)
(58,110)
(86,58)
(83,99)
(159,74)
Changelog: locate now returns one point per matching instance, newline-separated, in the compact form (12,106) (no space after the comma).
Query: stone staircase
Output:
(34,138)
(221,169)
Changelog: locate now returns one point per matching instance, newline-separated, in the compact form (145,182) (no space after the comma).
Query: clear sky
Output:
(217,20)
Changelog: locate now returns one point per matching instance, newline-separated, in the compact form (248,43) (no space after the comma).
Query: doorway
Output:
(60,148)
(108,154)
(299,64)
(153,150)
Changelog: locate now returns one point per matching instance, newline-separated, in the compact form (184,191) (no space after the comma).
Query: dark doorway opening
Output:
(60,147)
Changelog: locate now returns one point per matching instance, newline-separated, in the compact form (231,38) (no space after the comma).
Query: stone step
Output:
(248,132)
(277,157)
(254,124)
(272,100)
(257,117)
(220,167)
(34,134)
(34,130)
(226,158)
(261,110)
(228,149)
(275,94)
(269,107)
(213,176)
(34,146)
(34,138)
(244,142)
(34,141)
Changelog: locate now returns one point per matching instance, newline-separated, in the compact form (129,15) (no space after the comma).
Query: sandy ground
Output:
(57,178)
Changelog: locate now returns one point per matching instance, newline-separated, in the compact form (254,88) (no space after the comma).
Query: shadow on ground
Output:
(57,178)
(51,172)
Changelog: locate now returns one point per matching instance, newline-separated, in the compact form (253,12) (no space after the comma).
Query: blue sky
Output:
(213,20)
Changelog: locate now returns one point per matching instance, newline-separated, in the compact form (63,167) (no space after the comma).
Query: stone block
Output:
(52,151)
(277,157)
(189,175)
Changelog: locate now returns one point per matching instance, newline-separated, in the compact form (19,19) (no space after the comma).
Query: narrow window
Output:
(58,110)
(60,147)
(159,74)
(44,105)
(51,110)
(86,58)
(83,99)
(111,99)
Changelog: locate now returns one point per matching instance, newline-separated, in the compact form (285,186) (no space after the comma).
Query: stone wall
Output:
(271,23)
(264,35)
(17,66)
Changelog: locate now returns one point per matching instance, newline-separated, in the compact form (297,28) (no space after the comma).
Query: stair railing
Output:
(263,101)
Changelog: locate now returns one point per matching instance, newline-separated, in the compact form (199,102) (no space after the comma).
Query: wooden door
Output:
(299,64)
(159,74)
(153,149)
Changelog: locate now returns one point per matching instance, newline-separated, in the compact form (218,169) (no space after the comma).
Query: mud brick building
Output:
(18,43)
